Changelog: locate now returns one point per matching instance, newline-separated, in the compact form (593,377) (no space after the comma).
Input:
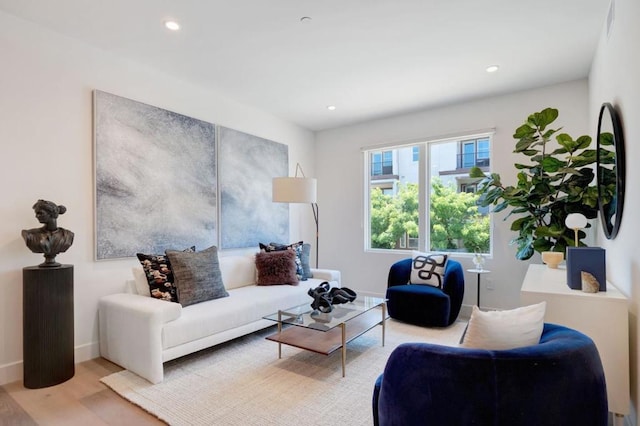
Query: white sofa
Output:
(140,333)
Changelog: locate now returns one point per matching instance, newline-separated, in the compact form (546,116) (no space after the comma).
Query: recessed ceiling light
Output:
(492,68)
(172,25)
(331,107)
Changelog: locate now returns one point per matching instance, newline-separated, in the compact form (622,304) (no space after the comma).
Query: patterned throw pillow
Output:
(301,250)
(428,268)
(276,267)
(157,269)
(198,277)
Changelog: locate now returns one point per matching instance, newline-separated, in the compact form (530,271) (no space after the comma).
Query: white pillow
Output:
(428,268)
(140,278)
(499,330)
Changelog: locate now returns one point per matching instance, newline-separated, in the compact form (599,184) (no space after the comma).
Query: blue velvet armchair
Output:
(423,304)
(559,381)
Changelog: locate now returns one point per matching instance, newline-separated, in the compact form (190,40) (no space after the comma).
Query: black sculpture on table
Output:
(47,303)
(49,239)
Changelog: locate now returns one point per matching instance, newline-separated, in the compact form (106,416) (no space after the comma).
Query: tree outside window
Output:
(453,224)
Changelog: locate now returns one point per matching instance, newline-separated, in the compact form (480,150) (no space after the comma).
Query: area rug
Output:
(243,382)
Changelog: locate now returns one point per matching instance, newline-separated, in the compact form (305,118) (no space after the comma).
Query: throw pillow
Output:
(276,267)
(509,329)
(304,259)
(159,276)
(198,276)
(428,268)
(302,251)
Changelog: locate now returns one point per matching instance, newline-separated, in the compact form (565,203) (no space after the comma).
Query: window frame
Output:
(424,191)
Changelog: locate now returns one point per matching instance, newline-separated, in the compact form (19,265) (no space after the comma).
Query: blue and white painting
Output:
(247,167)
(155,179)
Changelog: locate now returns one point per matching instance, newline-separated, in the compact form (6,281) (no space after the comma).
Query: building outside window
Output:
(382,163)
(427,200)
(474,152)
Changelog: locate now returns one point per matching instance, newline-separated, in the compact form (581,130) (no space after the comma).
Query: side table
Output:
(478,272)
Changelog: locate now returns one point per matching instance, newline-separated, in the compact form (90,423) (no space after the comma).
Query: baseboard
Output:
(87,351)
(13,371)
(10,372)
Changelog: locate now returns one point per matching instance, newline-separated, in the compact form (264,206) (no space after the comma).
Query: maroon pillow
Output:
(276,267)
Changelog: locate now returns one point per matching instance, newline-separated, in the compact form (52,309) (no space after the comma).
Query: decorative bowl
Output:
(552,258)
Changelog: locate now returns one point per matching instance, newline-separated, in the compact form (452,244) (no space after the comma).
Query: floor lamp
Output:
(298,190)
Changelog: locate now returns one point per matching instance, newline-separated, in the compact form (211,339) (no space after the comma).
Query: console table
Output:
(602,316)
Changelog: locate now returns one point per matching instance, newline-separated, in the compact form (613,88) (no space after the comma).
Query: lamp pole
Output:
(316,217)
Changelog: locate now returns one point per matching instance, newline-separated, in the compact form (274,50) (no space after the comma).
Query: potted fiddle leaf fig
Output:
(551,183)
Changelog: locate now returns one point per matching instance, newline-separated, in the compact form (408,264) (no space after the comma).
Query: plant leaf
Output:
(524,131)
(543,118)
(552,164)
(606,138)
(584,142)
(476,172)
(524,252)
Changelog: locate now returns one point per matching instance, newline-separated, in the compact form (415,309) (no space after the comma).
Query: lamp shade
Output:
(576,221)
(294,190)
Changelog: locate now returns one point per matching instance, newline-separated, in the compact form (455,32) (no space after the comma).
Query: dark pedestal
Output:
(48,328)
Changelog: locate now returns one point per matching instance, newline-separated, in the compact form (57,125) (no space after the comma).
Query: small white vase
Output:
(478,261)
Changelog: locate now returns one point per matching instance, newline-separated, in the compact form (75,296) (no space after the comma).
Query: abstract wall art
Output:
(155,177)
(247,165)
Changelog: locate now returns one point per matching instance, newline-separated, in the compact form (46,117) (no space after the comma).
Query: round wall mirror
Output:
(610,169)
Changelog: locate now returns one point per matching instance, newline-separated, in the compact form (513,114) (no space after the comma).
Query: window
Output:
(382,163)
(468,187)
(474,152)
(432,203)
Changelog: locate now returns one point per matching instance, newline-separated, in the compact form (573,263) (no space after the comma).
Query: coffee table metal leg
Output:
(279,331)
(344,348)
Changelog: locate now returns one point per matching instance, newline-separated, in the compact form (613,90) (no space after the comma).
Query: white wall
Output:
(341,183)
(615,78)
(46,84)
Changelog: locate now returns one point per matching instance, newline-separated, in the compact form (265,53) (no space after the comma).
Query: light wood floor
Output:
(81,401)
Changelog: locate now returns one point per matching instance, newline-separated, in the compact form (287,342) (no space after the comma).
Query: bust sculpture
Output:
(49,239)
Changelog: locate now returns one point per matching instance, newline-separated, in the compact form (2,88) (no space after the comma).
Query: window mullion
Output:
(423,198)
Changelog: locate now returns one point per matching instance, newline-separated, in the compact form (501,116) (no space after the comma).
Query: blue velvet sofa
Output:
(560,381)
(425,305)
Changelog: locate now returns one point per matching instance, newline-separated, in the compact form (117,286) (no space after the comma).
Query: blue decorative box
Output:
(588,259)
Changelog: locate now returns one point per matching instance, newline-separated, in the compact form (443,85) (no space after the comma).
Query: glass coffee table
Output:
(326,333)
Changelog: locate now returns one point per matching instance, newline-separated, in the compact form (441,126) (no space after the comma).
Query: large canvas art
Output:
(155,179)
(247,165)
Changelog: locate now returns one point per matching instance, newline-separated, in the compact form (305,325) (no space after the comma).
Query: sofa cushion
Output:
(243,306)
(157,269)
(508,329)
(276,267)
(237,270)
(197,275)
(428,268)
(141,286)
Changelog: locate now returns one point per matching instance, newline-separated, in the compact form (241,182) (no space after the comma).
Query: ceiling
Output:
(369,58)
